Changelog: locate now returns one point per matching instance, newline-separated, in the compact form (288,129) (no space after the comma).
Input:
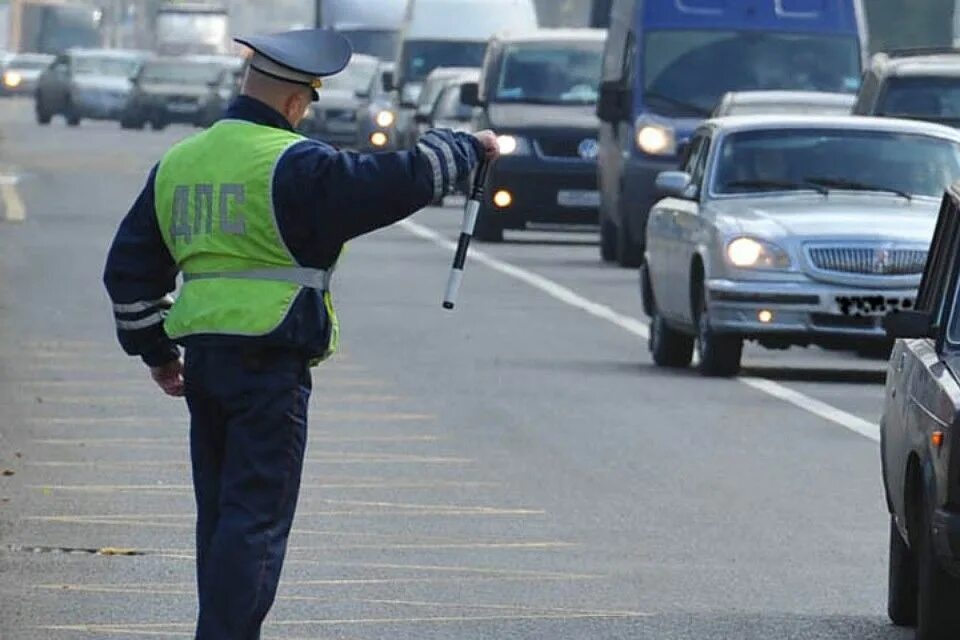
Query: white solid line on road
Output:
(551,288)
(817,407)
(16,211)
(641,330)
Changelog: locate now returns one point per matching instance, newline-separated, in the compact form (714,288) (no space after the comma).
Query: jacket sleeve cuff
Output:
(162,355)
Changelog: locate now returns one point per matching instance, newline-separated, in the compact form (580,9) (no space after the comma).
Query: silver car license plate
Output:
(183,107)
(579,199)
(871,306)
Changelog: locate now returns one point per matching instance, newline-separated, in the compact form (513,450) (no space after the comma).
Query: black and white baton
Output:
(466,234)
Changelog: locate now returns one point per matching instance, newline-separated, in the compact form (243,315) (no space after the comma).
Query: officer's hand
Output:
(169,377)
(489,141)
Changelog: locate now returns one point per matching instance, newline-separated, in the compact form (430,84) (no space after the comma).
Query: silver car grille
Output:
(869,260)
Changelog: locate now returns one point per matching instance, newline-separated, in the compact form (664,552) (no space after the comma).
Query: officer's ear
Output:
(295,107)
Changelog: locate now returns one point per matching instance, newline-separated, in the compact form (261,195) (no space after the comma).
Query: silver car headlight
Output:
(750,253)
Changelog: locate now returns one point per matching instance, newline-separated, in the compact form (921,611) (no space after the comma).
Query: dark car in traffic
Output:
(920,449)
(920,84)
(538,91)
(333,117)
(178,90)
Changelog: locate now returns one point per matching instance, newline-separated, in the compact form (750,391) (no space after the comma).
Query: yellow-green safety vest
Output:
(214,203)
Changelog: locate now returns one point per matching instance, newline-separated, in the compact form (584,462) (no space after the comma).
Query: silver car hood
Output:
(175,89)
(336,100)
(30,75)
(111,83)
(839,216)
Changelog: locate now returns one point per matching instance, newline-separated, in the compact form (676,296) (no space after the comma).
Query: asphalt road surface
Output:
(516,469)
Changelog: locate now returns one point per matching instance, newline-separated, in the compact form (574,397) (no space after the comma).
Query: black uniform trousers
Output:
(248,433)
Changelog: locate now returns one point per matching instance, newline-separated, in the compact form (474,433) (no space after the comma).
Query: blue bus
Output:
(668,62)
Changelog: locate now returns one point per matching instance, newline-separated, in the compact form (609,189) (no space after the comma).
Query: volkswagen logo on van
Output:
(588,149)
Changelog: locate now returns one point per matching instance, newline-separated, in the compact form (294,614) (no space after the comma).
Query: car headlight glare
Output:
(12,79)
(513,145)
(385,118)
(748,253)
(507,144)
(656,140)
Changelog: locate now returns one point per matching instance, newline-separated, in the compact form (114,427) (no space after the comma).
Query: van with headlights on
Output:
(538,91)
(668,63)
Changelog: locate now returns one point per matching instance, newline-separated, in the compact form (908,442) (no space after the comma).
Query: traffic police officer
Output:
(254,217)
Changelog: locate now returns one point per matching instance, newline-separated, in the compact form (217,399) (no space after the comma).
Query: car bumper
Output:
(544,191)
(23,89)
(99,107)
(806,312)
(165,113)
(640,194)
(946,539)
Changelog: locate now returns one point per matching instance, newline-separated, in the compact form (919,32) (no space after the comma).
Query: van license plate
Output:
(579,199)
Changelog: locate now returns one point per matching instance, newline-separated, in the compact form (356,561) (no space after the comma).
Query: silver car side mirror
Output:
(676,184)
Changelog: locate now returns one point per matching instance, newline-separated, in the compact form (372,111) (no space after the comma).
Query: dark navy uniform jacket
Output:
(322,198)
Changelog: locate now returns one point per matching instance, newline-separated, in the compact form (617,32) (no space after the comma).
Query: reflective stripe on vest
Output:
(310,278)
(214,203)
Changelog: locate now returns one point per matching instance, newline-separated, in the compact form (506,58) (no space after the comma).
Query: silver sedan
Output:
(791,230)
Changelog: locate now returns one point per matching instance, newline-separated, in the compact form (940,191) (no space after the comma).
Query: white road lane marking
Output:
(16,211)
(641,330)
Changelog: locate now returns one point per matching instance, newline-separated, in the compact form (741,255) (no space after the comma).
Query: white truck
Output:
(182,28)
(372,26)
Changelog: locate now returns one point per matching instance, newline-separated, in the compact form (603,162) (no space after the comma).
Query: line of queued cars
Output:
(135,88)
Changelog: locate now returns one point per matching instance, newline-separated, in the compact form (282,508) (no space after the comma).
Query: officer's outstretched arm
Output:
(355,193)
(139,276)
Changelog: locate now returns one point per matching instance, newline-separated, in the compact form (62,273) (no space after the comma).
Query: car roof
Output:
(109,53)
(790,97)
(919,62)
(554,35)
(31,57)
(222,59)
(442,73)
(735,124)
(183,60)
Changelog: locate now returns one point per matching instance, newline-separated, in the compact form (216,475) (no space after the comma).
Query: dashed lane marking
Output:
(16,211)
(641,330)
(179,441)
(170,629)
(114,420)
(187,591)
(320,458)
(188,489)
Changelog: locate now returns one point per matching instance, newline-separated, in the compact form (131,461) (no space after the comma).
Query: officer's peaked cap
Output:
(301,57)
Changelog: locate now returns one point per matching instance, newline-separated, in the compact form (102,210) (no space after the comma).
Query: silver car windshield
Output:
(833,159)
(355,78)
(105,66)
(551,73)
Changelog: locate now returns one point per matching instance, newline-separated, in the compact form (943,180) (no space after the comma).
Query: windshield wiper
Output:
(785,185)
(853,185)
(689,106)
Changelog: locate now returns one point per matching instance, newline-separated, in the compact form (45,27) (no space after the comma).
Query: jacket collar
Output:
(252,110)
